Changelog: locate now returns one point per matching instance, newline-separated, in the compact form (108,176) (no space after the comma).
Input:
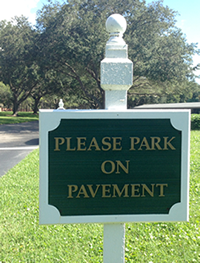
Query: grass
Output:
(7,118)
(24,240)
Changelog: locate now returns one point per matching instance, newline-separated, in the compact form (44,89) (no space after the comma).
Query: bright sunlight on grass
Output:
(7,118)
(24,240)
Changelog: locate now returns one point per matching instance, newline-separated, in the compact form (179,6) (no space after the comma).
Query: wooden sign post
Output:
(115,165)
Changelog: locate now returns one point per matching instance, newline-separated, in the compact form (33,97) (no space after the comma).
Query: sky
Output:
(188,19)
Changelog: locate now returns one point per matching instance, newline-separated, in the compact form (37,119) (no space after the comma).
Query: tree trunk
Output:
(35,107)
(15,107)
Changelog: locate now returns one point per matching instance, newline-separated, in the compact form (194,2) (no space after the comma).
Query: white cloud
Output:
(13,8)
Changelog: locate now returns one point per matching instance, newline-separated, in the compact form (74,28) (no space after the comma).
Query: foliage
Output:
(195,93)
(5,95)
(61,56)
(17,68)
(23,239)
(49,84)
(66,48)
(188,91)
(195,121)
(71,101)
(74,38)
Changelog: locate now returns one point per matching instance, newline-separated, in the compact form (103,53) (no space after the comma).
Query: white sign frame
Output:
(50,119)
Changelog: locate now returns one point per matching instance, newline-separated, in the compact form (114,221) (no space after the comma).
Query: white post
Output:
(116,68)
(114,243)
(116,79)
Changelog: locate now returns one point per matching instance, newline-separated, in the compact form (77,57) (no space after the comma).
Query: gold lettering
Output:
(82,191)
(80,143)
(144,143)
(69,144)
(155,142)
(103,167)
(117,142)
(119,164)
(161,189)
(134,140)
(93,194)
(105,190)
(58,141)
(168,143)
(135,190)
(108,144)
(151,192)
(124,189)
(72,189)
(94,144)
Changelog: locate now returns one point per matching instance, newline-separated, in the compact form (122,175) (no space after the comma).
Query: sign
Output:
(102,166)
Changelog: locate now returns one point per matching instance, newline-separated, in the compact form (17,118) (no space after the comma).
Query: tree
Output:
(5,95)
(61,47)
(17,67)
(73,38)
(49,83)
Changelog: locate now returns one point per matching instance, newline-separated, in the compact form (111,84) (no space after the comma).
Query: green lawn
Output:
(7,118)
(24,240)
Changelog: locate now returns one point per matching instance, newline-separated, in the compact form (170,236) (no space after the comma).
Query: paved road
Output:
(16,141)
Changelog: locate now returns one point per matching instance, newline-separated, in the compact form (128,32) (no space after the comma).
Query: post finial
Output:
(116,68)
(61,105)
(116,23)
(116,26)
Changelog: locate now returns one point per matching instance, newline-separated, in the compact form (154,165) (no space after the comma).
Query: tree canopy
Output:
(62,54)
(5,95)
(74,38)
(17,66)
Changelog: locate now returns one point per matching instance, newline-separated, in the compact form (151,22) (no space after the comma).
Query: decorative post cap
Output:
(116,26)
(116,23)
(116,68)
(61,105)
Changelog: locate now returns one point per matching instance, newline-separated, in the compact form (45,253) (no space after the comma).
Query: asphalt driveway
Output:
(16,142)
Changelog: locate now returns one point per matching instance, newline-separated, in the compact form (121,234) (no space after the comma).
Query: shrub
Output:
(195,121)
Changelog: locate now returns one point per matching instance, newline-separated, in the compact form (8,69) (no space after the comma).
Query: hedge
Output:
(195,121)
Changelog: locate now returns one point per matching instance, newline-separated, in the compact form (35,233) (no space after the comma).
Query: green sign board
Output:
(101,165)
